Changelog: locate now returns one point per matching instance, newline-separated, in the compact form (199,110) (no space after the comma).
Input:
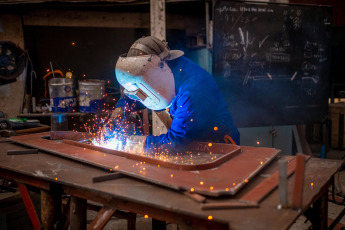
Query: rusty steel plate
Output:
(227,178)
(202,155)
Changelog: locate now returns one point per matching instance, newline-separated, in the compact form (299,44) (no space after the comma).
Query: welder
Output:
(155,77)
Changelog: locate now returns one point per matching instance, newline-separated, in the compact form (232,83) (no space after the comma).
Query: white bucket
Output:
(91,96)
(62,95)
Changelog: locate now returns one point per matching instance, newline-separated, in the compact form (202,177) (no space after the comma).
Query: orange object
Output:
(229,139)
(47,77)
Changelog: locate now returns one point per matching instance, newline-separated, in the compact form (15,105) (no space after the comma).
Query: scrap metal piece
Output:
(111,176)
(21,152)
(195,196)
(298,182)
(70,135)
(230,204)
(283,183)
(269,184)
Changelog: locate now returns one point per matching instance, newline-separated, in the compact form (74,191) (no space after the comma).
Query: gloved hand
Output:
(117,113)
(135,144)
(124,122)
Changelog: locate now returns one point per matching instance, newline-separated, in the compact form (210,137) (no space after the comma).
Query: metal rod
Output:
(29,206)
(283,185)
(51,67)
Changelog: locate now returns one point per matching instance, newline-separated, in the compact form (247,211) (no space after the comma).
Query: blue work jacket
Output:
(199,111)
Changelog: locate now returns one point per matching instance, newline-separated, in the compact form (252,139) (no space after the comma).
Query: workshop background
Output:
(83,39)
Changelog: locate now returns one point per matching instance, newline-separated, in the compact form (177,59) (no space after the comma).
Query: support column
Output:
(78,213)
(50,208)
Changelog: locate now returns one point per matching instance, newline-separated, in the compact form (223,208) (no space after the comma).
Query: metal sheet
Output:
(213,155)
(228,178)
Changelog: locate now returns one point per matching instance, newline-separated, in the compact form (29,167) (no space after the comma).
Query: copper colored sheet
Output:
(228,178)
(214,155)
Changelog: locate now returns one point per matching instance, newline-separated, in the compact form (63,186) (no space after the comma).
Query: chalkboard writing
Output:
(272,61)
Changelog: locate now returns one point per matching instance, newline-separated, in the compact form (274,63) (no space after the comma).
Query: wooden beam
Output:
(73,18)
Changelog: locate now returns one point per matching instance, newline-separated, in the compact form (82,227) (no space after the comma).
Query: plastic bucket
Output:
(91,96)
(62,95)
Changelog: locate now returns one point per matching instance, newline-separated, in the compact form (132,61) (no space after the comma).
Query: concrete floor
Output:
(143,223)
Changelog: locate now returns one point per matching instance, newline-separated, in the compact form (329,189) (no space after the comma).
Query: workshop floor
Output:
(143,223)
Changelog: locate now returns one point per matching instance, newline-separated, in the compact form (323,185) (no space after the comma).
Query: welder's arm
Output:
(117,113)
(127,105)
(184,127)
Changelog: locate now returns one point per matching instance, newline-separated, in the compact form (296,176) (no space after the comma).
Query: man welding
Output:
(162,79)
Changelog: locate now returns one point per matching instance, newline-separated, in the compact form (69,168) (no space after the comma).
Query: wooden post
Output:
(158,29)
(157,16)
(78,213)
(50,208)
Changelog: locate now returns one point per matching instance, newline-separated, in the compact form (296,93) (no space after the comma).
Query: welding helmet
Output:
(144,73)
(146,78)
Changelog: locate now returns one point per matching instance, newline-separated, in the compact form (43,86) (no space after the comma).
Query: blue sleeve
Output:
(186,124)
(128,105)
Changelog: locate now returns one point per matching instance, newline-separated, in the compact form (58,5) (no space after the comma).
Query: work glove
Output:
(124,122)
(135,144)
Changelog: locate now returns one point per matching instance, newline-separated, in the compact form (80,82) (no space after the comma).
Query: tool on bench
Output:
(21,152)
(259,192)
(13,126)
(110,176)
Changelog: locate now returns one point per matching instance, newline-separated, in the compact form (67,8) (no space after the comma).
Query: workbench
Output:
(55,175)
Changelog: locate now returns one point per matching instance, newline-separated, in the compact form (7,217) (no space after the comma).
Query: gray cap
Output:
(152,45)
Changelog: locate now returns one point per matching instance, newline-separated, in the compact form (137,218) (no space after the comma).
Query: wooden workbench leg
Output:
(320,220)
(50,208)
(78,213)
(158,225)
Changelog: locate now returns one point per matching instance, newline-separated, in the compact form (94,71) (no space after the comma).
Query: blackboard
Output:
(272,61)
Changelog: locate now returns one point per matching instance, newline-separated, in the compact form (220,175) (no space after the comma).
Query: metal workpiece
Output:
(223,179)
